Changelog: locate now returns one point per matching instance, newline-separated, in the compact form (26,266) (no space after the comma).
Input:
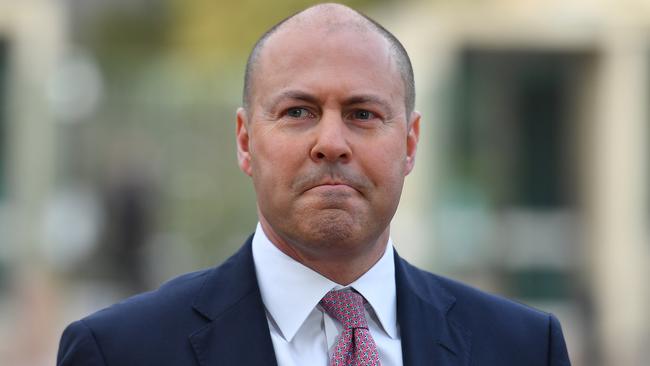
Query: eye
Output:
(299,113)
(363,115)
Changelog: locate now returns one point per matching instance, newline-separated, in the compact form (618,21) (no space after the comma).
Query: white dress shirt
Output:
(302,332)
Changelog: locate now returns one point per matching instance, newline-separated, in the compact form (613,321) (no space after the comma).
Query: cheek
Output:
(388,163)
(274,161)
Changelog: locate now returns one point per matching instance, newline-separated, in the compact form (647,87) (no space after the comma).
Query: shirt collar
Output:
(377,286)
(290,290)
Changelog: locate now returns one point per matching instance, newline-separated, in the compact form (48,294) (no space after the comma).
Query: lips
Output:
(328,183)
(331,181)
(333,186)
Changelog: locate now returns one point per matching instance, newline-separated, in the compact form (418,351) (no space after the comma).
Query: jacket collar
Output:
(429,336)
(237,332)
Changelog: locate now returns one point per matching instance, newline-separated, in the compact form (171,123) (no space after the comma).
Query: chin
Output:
(333,229)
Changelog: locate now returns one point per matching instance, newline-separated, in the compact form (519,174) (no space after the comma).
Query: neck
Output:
(342,267)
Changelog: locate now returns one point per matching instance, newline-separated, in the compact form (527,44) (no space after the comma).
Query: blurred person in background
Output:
(327,133)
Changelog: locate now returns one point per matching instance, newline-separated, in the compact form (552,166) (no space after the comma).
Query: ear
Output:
(412,137)
(243,142)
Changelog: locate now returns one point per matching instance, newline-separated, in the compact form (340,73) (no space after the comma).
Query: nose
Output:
(331,143)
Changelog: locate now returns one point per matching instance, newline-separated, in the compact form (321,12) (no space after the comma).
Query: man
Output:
(327,134)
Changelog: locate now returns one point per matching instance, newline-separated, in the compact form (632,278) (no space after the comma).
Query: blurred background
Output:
(118,170)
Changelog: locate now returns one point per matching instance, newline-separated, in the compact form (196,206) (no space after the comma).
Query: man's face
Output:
(326,139)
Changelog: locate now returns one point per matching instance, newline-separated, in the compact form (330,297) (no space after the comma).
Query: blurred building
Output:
(32,36)
(117,165)
(532,177)
(31,40)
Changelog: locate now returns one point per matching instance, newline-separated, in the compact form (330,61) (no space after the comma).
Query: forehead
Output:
(345,58)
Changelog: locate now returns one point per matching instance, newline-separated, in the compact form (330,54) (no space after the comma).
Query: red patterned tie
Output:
(355,346)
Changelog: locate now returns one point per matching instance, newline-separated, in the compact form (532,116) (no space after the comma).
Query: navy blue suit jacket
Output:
(216,317)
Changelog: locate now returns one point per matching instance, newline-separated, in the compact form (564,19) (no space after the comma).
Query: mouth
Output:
(332,188)
(332,182)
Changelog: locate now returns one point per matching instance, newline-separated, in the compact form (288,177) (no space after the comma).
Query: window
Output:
(512,126)
(508,205)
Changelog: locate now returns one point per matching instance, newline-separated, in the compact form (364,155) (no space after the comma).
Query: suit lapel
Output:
(237,331)
(428,336)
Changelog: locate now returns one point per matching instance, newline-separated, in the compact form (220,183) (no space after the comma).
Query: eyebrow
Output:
(293,94)
(309,98)
(367,98)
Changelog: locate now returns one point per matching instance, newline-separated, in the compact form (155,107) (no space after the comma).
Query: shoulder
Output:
(154,327)
(470,299)
(174,294)
(184,297)
(498,323)
(501,329)
(466,300)
(138,325)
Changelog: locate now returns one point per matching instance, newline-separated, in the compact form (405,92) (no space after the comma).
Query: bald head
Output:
(329,18)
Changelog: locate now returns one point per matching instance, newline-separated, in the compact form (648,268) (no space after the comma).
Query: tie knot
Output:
(346,307)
